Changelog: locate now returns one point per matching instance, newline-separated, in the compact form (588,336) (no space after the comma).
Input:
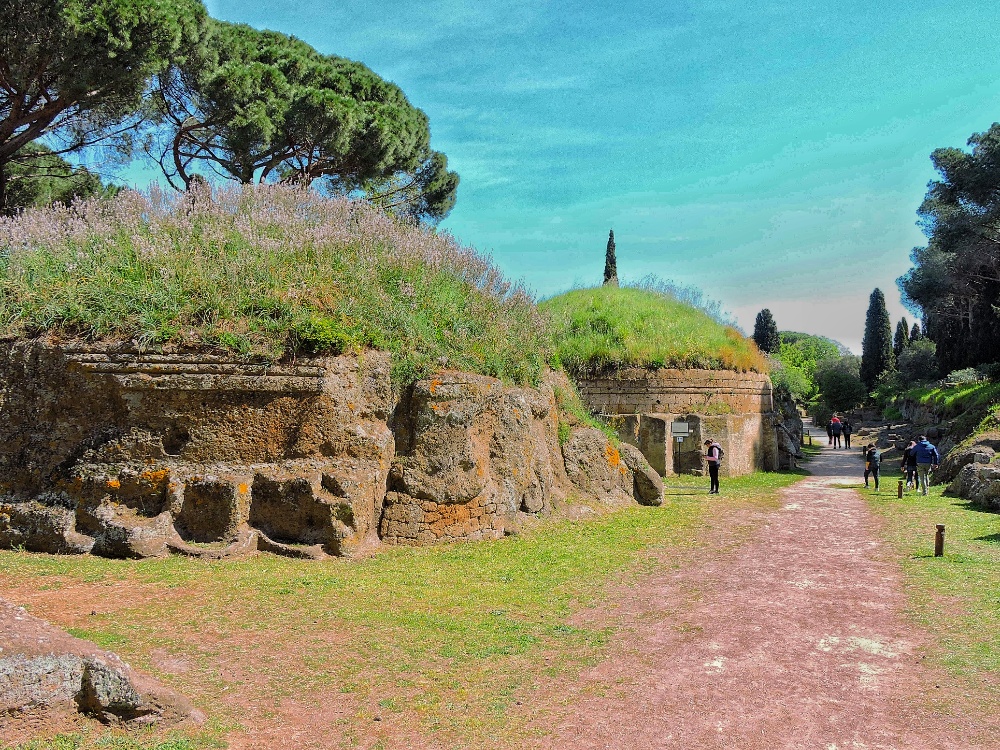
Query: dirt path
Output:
(795,639)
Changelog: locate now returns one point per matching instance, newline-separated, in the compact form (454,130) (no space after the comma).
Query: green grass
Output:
(450,637)
(608,328)
(266,272)
(955,597)
(115,740)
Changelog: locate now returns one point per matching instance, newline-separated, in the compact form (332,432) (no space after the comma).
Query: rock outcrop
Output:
(126,454)
(44,669)
(979,484)
(471,454)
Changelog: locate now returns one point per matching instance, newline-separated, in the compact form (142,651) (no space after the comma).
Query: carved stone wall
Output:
(129,454)
(735,409)
(640,391)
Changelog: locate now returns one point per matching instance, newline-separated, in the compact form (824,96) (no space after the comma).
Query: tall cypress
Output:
(611,262)
(765,332)
(876,348)
(902,338)
(916,334)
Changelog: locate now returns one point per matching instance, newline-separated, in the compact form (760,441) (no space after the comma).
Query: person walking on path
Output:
(848,429)
(713,455)
(928,459)
(837,428)
(909,465)
(873,458)
(829,432)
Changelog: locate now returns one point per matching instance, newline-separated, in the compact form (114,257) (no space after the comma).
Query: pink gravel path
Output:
(793,639)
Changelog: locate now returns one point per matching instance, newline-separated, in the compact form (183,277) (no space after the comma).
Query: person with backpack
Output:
(713,455)
(848,429)
(837,429)
(928,459)
(873,458)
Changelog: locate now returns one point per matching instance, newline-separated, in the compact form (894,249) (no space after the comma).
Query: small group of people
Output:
(837,428)
(920,458)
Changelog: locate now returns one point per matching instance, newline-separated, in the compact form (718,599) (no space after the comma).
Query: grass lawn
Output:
(955,597)
(451,640)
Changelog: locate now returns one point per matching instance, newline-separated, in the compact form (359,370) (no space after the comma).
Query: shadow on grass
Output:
(990,538)
(972,508)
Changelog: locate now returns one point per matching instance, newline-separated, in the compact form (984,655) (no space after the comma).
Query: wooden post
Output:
(939,541)
(899,489)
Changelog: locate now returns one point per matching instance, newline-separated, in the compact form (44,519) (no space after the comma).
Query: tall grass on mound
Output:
(608,328)
(266,272)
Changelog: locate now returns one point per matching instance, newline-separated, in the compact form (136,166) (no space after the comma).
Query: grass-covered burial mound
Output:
(264,272)
(609,328)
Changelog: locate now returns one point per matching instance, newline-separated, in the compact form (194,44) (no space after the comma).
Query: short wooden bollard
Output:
(899,489)
(939,541)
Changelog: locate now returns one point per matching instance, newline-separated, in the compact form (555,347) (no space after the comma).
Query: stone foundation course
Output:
(109,451)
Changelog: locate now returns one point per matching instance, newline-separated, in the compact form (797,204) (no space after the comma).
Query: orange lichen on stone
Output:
(244,488)
(612,454)
(435,384)
(114,484)
(155,477)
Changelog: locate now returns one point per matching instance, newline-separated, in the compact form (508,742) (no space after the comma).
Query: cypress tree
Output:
(902,338)
(876,348)
(765,332)
(916,334)
(611,262)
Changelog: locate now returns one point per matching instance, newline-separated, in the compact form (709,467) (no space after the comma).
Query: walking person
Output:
(829,432)
(848,429)
(713,455)
(909,465)
(837,428)
(873,459)
(928,459)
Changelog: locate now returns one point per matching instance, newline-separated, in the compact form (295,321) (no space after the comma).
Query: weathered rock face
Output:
(979,484)
(130,455)
(982,451)
(136,455)
(43,668)
(472,453)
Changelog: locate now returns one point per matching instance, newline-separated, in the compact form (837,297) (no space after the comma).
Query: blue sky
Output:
(771,153)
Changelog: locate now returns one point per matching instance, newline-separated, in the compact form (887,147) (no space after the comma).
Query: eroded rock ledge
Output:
(44,669)
(117,453)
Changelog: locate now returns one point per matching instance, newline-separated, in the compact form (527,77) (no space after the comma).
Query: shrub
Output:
(840,383)
(968,376)
(917,363)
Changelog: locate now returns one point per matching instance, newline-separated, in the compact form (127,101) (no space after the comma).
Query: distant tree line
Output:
(204,98)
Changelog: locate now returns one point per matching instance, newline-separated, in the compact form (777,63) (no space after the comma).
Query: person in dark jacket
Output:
(928,459)
(909,465)
(838,429)
(848,429)
(713,455)
(873,458)
(829,432)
